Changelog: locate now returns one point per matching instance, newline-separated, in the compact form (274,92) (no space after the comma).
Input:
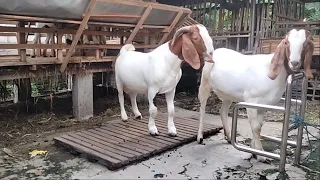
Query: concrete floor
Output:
(214,160)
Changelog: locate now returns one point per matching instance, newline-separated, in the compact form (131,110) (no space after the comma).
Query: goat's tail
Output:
(127,47)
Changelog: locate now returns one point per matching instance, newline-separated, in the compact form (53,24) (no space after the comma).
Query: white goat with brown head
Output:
(261,79)
(159,71)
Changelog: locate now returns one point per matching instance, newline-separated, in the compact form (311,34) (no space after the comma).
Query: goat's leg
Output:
(172,131)
(135,110)
(224,118)
(256,122)
(153,111)
(119,85)
(203,95)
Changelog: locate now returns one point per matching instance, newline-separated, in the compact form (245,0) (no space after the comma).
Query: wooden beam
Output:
(23,72)
(8,34)
(130,16)
(140,23)
(78,34)
(39,19)
(66,46)
(145,4)
(52,60)
(22,40)
(173,24)
(67,31)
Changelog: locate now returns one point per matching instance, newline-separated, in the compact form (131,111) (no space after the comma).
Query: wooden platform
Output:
(118,144)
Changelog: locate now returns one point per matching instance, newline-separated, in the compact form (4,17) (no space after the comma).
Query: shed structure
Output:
(111,22)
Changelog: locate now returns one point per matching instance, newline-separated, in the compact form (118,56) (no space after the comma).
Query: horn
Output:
(180,31)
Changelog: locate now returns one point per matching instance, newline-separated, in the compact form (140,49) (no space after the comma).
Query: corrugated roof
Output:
(75,9)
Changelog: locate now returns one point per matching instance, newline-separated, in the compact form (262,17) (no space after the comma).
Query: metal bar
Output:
(278,140)
(78,34)
(302,115)
(293,100)
(260,106)
(285,126)
(234,131)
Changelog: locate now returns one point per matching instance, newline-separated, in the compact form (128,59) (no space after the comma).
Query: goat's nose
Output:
(294,63)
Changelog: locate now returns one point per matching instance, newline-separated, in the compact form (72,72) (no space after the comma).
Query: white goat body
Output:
(239,77)
(159,71)
(261,79)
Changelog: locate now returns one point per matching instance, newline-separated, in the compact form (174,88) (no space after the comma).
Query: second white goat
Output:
(261,79)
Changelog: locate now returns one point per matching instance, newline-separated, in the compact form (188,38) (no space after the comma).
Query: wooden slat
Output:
(140,23)
(119,143)
(66,46)
(127,16)
(78,34)
(173,24)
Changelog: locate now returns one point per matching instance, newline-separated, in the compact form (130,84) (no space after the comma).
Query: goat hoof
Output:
(263,159)
(228,140)
(200,139)
(138,117)
(172,134)
(153,131)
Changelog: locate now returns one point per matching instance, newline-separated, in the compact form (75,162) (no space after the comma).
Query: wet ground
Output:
(21,133)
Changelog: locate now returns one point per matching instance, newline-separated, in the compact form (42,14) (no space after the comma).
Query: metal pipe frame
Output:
(286,110)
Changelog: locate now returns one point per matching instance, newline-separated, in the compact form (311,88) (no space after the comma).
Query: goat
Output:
(159,71)
(261,78)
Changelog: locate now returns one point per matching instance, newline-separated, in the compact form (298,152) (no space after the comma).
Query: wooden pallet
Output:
(118,144)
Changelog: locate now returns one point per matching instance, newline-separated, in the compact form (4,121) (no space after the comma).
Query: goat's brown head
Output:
(296,47)
(193,45)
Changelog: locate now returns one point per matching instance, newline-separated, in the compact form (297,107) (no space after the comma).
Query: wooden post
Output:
(59,51)
(252,27)
(140,23)
(78,34)
(22,40)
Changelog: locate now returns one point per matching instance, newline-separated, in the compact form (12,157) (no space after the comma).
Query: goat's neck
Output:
(171,60)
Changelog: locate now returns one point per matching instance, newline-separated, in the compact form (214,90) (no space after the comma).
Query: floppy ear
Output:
(189,52)
(277,60)
(308,51)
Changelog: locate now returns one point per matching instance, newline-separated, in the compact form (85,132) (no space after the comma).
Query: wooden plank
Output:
(130,140)
(116,144)
(38,19)
(53,60)
(127,16)
(145,4)
(146,146)
(81,148)
(140,23)
(78,34)
(95,142)
(149,139)
(173,24)
(162,130)
(7,34)
(65,46)
(22,40)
